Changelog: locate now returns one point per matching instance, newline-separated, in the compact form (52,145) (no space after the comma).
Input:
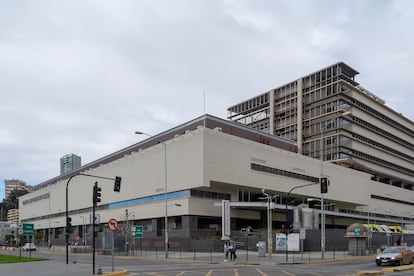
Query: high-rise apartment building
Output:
(331,116)
(13,215)
(15,184)
(69,162)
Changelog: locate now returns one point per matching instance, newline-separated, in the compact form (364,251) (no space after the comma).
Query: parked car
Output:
(396,255)
(411,248)
(29,246)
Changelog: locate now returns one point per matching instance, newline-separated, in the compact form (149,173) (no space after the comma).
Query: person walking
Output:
(226,251)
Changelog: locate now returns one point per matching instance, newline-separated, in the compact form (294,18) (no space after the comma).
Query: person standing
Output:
(232,249)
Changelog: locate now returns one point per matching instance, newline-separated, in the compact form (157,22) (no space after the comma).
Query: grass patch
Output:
(8,259)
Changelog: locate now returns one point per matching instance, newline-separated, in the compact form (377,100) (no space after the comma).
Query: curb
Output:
(404,268)
(398,268)
(370,272)
(118,273)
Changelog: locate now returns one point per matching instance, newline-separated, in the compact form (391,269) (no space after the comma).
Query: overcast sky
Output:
(82,76)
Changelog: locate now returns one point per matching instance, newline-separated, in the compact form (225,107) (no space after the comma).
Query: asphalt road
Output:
(81,264)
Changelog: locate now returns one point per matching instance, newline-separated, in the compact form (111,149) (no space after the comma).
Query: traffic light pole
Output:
(95,188)
(67,206)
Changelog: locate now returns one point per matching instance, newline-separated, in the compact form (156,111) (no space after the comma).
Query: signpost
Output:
(113,226)
(26,229)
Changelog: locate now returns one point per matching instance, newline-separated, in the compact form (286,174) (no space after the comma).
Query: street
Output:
(81,264)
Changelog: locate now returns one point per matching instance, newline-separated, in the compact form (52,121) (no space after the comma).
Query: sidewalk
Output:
(251,257)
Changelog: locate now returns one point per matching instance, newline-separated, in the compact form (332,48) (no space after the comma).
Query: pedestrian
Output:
(232,249)
(399,241)
(226,251)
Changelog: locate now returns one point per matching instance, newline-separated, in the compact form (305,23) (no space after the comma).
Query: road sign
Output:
(113,225)
(137,231)
(357,232)
(28,229)
(20,231)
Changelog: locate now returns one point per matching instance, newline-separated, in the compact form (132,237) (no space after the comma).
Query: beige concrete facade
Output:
(207,160)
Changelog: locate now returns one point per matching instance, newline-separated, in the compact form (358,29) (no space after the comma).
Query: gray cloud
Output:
(82,76)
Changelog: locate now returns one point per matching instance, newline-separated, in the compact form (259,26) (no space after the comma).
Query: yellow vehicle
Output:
(395,228)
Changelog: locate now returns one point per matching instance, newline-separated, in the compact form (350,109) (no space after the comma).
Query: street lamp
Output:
(269,199)
(321,148)
(165,192)
(369,214)
(83,229)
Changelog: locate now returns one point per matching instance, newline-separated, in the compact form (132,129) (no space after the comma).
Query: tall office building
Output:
(69,162)
(15,184)
(332,117)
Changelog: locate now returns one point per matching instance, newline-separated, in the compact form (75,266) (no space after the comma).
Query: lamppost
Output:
(286,214)
(83,230)
(321,148)
(269,199)
(166,242)
(48,230)
(402,229)
(127,229)
(369,214)
(126,232)
(323,222)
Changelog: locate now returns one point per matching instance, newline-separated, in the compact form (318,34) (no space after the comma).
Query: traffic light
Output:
(324,185)
(117,185)
(96,193)
(68,222)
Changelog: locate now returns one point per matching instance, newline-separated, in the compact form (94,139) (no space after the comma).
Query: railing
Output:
(243,255)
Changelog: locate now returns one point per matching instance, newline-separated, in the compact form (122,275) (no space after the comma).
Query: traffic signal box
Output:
(324,185)
(69,222)
(117,184)
(97,192)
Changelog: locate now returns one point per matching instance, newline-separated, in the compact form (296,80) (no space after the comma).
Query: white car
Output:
(29,246)
(396,255)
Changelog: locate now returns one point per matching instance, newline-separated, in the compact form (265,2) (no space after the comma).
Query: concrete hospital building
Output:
(274,141)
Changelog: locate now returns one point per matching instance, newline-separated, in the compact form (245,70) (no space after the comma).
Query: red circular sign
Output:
(113,225)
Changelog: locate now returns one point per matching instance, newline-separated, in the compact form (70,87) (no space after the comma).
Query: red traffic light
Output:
(324,184)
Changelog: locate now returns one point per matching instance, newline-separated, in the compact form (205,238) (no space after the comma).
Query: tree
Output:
(11,202)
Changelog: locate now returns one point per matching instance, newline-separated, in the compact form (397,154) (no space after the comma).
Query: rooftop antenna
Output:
(204,100)
(204,107)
